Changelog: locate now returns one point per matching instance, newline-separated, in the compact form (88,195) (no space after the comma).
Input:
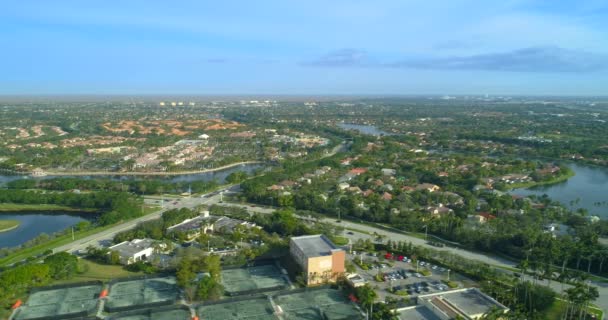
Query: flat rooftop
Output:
(471,302)
(129,248)
(314,246)
(417,313)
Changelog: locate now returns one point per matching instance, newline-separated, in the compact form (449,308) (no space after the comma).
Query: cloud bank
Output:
(532,59)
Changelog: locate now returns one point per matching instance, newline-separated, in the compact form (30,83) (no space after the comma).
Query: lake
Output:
(366,129)
(589,185)
(33,224)
(219,175)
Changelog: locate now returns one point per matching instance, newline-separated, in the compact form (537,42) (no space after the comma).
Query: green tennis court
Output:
(59,303)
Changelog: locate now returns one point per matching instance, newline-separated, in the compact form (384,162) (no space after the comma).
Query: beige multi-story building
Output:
(320,260)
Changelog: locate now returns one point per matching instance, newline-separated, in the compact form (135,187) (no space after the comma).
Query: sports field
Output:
(60,303)
(321,304)
(252,309)
(142,292)
(259,278)
(175,313)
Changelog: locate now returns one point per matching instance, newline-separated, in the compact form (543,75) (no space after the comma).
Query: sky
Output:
(526,47)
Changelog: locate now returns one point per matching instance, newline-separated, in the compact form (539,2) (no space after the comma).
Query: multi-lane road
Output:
(105,236)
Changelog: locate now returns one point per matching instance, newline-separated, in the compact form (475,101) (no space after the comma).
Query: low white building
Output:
(134,250)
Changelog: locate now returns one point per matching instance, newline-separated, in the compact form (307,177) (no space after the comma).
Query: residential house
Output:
(387,196)
(388,172)
(428,187)
(343,186)
(439,210)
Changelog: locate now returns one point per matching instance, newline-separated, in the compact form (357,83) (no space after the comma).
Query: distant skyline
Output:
(407,47)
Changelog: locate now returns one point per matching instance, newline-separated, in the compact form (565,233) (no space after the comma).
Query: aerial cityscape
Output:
(298,162)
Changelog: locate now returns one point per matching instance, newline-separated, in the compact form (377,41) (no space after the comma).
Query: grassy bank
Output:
(38,207)
(60,241)
(7,225)
(532,184)
(49,245)
(92,271)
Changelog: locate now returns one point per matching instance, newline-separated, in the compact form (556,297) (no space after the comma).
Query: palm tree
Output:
(602,255)
(579,298)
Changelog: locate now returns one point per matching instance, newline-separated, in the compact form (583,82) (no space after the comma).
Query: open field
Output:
(7,225)
(92,271)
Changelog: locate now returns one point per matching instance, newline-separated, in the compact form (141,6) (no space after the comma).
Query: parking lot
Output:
(402,277)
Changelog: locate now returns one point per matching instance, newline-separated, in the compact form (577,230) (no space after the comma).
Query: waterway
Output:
(366,129)
(35,223)
(588,189)
(219,175)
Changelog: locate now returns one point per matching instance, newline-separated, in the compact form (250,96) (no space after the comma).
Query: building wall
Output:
(298,255)
(138,256)
(325,268)
(338,258)
(319,269)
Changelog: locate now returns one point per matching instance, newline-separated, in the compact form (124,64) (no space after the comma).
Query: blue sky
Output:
(304,47)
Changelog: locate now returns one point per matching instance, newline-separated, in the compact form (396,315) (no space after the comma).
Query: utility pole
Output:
(72,233)
(426,232)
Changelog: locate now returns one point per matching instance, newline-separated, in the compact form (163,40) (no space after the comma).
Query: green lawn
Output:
(556,310)
(340,241)
(559,308)
(94,271)
(6,225)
